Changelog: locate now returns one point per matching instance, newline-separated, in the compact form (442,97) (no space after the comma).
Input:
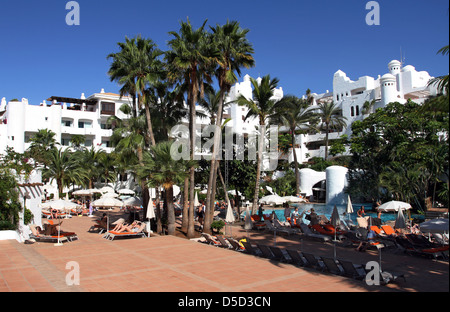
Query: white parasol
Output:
(394,205)
(434,226)
(126,191)
(293,199)
(272,199)
(113,195)
(107,202)
(150,214)
(400,222)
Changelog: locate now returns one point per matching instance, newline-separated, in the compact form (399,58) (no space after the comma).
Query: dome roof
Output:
(388,76)
(394,62)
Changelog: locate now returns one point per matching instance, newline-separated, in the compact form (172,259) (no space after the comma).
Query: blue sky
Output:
(302,43)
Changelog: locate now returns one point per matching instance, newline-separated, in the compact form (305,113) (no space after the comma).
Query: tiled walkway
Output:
(172,264)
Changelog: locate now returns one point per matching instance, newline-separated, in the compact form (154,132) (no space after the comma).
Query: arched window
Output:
(357,110)
(352,111)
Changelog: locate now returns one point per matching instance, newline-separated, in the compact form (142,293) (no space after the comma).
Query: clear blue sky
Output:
(303,43)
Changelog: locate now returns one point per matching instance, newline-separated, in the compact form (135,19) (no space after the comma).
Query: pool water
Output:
(323,209)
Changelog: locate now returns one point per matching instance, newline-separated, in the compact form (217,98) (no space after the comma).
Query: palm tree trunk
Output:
(326,141)
(193,99)
(149,125)
(214,165)
(297,177)
(184,222)
(258,168)
(170,211)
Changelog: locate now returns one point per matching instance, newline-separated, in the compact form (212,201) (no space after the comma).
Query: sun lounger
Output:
(413,249)
(272,228)
(390,277)
(223,242)
(252,250)
(296,257)
(352,270)
(235,244)
(46,238)
(286,228)
(266,253)
(313,261)
(111,235)
(210,239)
(308,233)
(332,266)
(388,230)
(279,254)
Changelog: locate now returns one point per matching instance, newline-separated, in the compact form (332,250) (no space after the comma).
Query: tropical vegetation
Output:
(400,151)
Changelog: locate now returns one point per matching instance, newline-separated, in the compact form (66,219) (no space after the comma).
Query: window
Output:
(108,108)
(84,124)
(357,110)
(66,123)
(352,111)
(65,141)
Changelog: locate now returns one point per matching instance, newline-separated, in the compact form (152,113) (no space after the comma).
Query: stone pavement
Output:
(174,264)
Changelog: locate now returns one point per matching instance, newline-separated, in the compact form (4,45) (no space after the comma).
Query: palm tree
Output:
(441,81)
(187,60)
(331,117)
(262,106)
(134,67)
(63,168)
(234,52)
(77,140)
(41,143)
(293,113)
(164,171)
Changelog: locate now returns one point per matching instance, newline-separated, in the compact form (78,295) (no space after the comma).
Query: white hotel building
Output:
(87,116)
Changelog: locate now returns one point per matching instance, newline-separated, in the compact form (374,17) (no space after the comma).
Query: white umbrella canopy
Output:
(59,204)
(400,222)
(82,192)
(107,202)
(434,226)
(110,195)
(133,201)
(394,205)
(248,220)
(272,199)
(196,202)
(335,219)
(349,206)
(107,189)
(230,216)
(293,199)
(150,210)
(126,191)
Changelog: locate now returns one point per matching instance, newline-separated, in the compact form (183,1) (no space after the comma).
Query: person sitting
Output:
(361,212)
(133,227)
(313,217)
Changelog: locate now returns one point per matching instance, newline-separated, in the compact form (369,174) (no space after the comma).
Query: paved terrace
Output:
(174,264)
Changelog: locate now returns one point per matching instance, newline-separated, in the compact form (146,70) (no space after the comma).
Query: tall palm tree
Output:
(331,117)
(234,52)
(263,107)
(188,59)
(164,171)
(134,67)
(293,113)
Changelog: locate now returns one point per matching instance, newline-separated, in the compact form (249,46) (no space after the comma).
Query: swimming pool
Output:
(323,209)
